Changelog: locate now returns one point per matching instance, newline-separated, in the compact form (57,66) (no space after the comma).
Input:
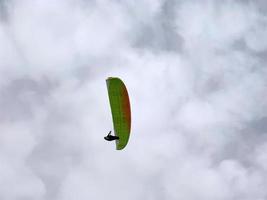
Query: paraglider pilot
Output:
(111,137)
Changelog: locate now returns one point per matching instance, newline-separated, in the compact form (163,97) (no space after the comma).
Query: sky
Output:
(196,76)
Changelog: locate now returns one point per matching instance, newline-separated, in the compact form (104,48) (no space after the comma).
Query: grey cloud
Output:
(196,76)
(159,34)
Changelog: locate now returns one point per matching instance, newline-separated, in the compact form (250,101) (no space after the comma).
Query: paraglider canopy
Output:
(120,109)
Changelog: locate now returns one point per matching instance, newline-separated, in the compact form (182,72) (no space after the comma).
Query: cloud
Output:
(196,76)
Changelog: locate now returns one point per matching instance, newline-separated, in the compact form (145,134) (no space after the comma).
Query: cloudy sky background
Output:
(196,74)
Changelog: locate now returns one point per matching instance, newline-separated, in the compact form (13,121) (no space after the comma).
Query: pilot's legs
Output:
(114,137)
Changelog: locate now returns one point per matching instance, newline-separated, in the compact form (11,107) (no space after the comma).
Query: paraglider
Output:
(110,137)
(120,110)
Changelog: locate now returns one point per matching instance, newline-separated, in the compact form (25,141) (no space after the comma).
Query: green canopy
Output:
(120,109)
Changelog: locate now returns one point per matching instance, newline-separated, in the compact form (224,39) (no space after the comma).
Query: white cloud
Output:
(197,82)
